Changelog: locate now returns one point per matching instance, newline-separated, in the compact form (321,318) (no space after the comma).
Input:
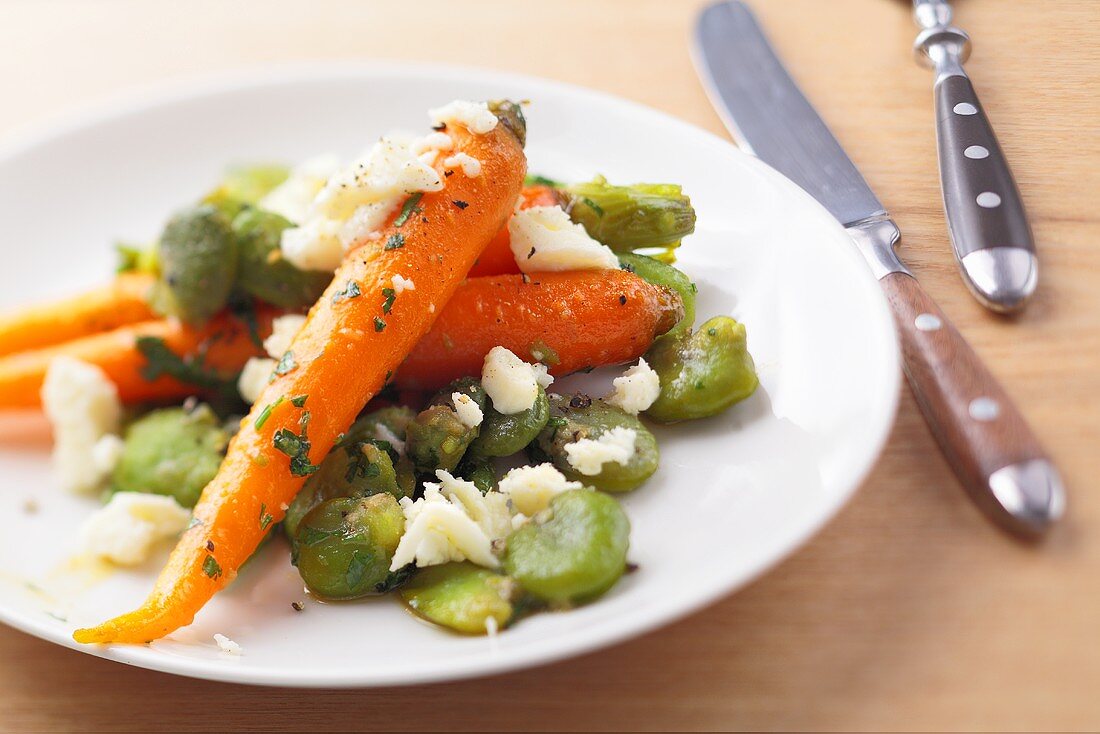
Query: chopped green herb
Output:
(299,400)
(357,569)
(286,363)
(395,241)
(408,208)
(395,578)
(351,290)
(389,295)
(265,518)
(211,568)
(266,413)
(161,361)
(296,446)
(379,324)
(310,535)
(594,206)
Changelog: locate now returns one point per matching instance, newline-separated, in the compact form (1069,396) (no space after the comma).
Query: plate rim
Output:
(147,96)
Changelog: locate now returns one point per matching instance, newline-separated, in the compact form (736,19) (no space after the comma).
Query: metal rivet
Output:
(927,322)
(965,108)
(989,200)
(984,409)
(976,152)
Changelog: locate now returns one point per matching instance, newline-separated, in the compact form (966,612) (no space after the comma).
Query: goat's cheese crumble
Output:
(127,528)
(509,382)
(470,166)
(283,331)
(293,197)
(542,375)
(402,284)
(637,389)
(82,405)
(474,116)
(227,645)
(254,378)
(439,531)
(532,487)
(544,238)
(468,411)
(588,455)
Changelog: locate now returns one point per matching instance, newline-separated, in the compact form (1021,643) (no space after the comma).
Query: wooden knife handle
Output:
(993,451)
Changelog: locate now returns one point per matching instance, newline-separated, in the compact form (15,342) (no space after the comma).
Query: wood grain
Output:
(947,379)
(908,611)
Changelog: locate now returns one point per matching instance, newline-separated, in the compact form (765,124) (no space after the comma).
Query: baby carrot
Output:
(570,320)
(345,352)
(102,309)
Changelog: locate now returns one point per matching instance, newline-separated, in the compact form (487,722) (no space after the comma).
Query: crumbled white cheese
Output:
(356,201)
(544,238)
(402,284)
(293,197)
(283,331)
(490,510)
(128,527)
(382,432)
(468,412)
(439,531)
(106,454)
(542,375)
(532,487)
(227,645)
(508,381)
(474,116)
(313,245)
(432,141)
(589,455)
(83,406)
(470,166)
(254,378)
(637,389)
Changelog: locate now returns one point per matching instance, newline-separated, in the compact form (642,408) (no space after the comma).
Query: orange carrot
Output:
(498,257)
(343,355)
(221,348)
(102,309)
(572,321)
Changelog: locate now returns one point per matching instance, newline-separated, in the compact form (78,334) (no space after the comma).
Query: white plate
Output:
(733,496)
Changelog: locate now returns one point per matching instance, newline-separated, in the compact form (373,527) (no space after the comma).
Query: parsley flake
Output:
(266,413)
(408,208)
(389,295)
(298,400)
(379,324)
(211,568)
(395,241)
(265,518)
(286,363)
(296,446)
(351,290)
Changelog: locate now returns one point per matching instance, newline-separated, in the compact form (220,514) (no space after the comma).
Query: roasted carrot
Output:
(102,309)
(345,352)
(498,257)
(216,352)
(571,321)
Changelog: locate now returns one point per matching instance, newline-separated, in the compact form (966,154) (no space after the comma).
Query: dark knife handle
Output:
(984,437)
(985,214)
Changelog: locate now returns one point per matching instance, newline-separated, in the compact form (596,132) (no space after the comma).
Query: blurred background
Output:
(908,611)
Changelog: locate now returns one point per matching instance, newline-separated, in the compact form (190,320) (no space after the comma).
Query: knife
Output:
(994,453)
(989,230)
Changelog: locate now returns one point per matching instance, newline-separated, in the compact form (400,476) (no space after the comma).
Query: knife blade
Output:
(985,439)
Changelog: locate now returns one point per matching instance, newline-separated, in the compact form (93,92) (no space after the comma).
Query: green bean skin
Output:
(171,451)
(395,419)
(702,374)
(350,470)
(658,273)
(573,552)
(626,218)
(197,253)
(462,597)
(344,546)
(504,435)
(263,272)
(578,417)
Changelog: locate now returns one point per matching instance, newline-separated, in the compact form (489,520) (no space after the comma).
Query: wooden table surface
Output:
(908,611)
